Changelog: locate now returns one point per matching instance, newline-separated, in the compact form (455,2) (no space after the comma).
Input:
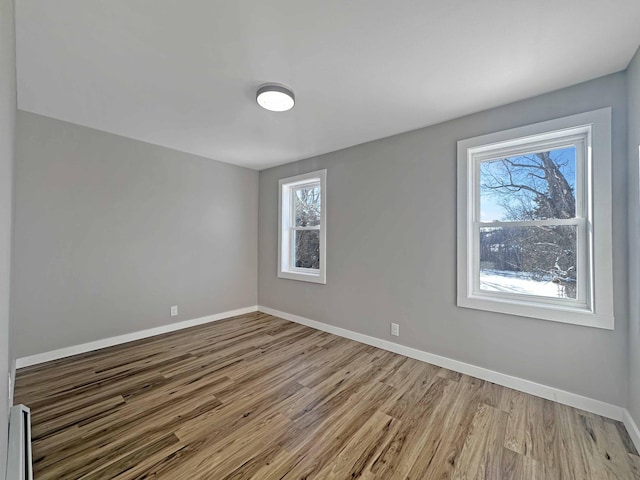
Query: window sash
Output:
(292,249)
(582,263)
(294,198)
(293,189)
(581,143)
(583,193)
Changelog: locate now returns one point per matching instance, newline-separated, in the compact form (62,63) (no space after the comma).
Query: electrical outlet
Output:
(174,311)
(395,329)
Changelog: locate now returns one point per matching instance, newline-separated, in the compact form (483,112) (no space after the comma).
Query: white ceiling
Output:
(183,74)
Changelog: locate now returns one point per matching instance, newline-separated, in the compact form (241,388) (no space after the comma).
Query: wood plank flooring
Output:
(258,397)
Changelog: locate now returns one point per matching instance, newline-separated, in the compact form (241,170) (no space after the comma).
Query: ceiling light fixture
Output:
(274,97)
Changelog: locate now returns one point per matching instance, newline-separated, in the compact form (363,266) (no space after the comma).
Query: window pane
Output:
(529,260)
(306,203)
(534,186)
(307,249)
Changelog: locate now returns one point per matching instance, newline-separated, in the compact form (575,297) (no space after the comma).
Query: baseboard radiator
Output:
(19,466)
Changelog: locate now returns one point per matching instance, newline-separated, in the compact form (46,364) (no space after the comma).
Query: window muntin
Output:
(302,227)
(529,248)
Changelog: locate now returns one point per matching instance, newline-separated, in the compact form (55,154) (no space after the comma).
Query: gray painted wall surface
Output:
(633,83)
(391,251)
(110,232)
(7,136)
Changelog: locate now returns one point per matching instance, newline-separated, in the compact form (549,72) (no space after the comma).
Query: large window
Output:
(302,227)
(534,216)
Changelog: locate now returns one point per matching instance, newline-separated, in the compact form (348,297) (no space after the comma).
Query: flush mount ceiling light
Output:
(275,97)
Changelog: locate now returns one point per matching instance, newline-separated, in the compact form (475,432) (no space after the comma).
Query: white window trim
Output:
(596,308)
(285,186)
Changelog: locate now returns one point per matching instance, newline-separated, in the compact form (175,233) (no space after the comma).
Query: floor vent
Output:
(19,465)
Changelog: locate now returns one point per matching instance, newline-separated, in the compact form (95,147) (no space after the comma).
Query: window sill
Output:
(303,277)
(563,314)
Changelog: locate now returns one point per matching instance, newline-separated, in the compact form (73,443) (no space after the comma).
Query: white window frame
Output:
(590,132)
(286,228)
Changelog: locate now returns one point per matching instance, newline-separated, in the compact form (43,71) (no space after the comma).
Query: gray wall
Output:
(7,134)
(391,251)
(110,232)
(633,83)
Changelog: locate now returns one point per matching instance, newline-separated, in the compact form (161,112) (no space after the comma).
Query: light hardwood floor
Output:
(262,398)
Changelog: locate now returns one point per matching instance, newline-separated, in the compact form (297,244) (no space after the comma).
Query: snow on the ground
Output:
(516,282)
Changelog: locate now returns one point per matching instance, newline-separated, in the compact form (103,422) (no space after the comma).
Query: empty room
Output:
(289,240)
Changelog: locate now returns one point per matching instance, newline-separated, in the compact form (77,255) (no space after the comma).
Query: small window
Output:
(302,227)
(535,221)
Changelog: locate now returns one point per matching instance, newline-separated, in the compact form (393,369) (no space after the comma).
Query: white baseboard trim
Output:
(129,337)
(550,393)
(632,428)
